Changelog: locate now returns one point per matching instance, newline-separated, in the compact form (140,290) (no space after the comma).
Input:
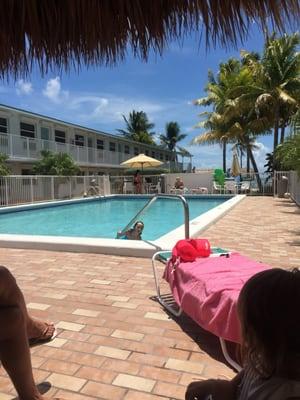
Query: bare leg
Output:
(14,348)
(10,295)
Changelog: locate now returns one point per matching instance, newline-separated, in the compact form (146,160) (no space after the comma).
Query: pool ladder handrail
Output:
(151,201)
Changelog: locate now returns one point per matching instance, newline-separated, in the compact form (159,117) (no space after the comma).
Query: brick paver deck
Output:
(114,341)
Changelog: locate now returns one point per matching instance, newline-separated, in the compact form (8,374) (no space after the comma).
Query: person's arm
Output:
(219,389)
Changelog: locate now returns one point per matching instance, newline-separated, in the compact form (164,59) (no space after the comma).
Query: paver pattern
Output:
(115,341)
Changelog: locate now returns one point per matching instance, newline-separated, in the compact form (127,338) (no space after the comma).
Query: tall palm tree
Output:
(218,89)
(172,136)
(216,133)
(138,127)
(244,131)
(276,85)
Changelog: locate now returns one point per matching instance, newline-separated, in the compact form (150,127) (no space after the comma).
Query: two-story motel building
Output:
(24,134)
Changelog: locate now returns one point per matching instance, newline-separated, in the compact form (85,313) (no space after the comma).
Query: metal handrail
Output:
(151,201)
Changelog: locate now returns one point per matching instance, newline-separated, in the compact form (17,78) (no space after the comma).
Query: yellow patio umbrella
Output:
(235,167)
(141,161)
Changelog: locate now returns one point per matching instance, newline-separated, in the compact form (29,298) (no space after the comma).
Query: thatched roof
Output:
(66,33)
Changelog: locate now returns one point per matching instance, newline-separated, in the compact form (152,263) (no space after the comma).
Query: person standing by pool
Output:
(17,331)
(137,181)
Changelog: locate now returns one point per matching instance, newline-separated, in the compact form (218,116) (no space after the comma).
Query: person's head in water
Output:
(138,227)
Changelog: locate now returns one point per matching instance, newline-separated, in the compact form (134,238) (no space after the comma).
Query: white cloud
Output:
(110,108)
(23,87)
(54,92)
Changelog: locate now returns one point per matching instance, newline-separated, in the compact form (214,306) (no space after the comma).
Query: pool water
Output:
(103,218)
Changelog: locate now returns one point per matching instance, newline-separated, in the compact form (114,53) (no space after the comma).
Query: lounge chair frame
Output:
(177,311)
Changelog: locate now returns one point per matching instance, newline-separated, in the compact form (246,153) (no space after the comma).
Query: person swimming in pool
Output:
(134,233)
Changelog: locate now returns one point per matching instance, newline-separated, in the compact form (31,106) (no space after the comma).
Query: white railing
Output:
(287,182)
(33,188)
(294,187)
(19,147)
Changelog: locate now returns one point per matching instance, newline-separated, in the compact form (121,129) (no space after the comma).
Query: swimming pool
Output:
(90,225)
(104,217)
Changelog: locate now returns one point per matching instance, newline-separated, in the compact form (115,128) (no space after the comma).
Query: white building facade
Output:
(23,135)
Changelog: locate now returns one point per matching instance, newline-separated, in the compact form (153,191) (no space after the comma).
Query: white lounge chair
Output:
(217,188)
(128,187)
(230,187)
(154,188)
(245,187)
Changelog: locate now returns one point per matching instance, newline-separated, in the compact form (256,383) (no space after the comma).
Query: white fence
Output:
(261,184)
(287,182)
(32,188)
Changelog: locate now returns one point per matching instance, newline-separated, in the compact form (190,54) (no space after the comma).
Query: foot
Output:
(39,331)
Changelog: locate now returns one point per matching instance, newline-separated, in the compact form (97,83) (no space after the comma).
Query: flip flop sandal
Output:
(43,338)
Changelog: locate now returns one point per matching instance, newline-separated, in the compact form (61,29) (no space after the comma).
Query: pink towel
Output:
(207,290)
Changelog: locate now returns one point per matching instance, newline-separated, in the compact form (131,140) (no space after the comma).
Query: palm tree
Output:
(218,91)
(216,133)
(276,85)
(61,164)
(172,137)
(138,127)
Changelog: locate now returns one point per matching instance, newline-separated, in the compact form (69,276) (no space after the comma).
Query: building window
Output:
(112,146)
(79,140)
(60,136)
(126,149)
(100,144)
(147,152)
(136,151)
(27,130)
(45,133)
(167,157)
(153,154)
(161,156)
(3,125)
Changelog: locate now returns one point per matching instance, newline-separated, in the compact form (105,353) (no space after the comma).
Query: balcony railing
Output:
(23,148)
(19,147)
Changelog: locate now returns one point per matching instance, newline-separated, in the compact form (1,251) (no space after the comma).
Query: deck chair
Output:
(207,291)
(230,187)
(128,187)
(218,188)
(245,187)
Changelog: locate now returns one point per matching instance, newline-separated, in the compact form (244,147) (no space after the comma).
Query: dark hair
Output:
(269,312)
(138,222)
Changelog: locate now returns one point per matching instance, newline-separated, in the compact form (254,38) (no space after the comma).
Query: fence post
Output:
(52,187)
(84,184)
(31,190)
(70,186)
(6,191)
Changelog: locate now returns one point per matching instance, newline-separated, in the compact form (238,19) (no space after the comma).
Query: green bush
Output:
(288,153)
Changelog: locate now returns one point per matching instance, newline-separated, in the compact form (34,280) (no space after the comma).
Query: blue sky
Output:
(164,88)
